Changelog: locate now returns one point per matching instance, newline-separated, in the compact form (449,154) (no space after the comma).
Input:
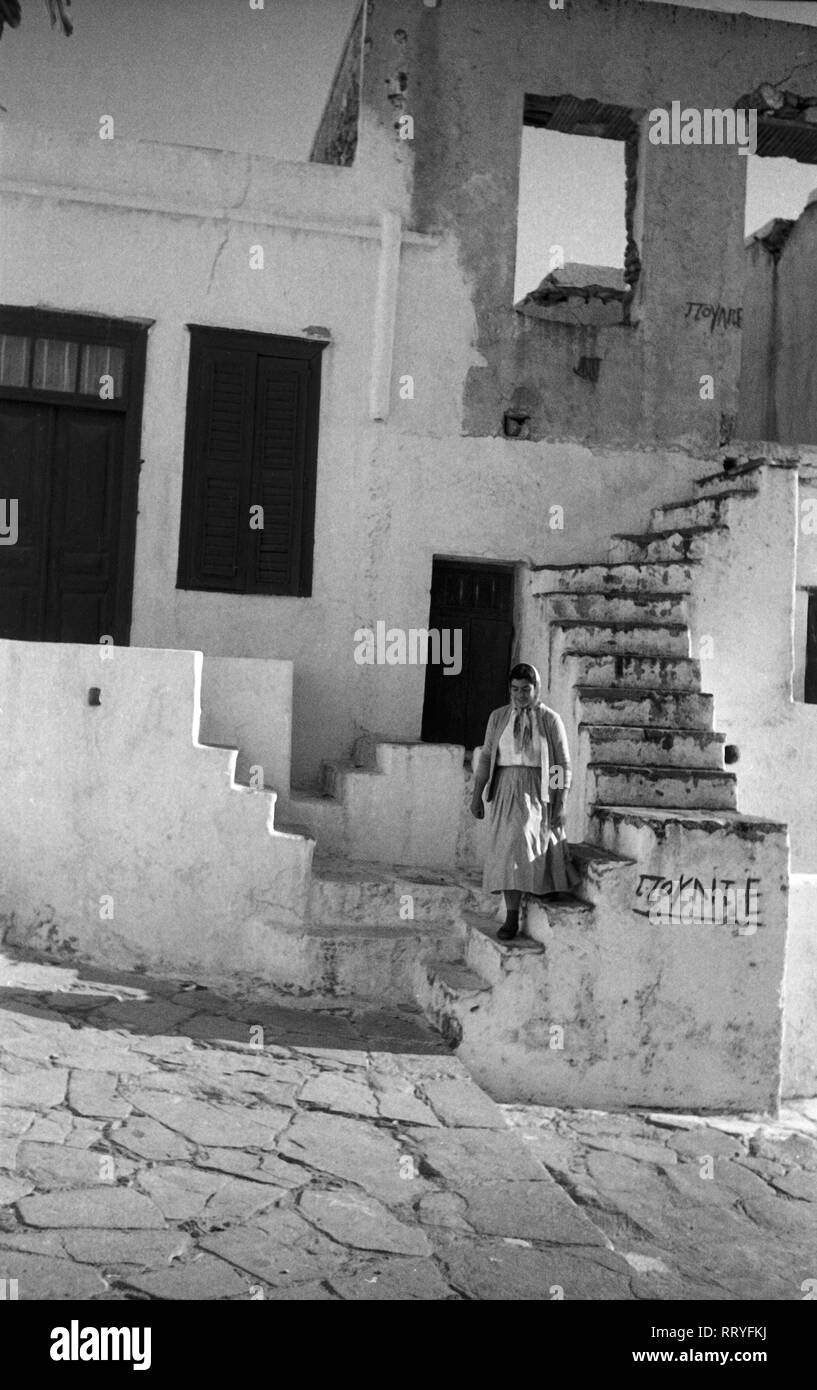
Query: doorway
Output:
(477,600)
(70,421)
(810,691)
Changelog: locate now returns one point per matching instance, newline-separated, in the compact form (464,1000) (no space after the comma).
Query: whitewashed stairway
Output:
(621,666)
(647,1021)
(396,901)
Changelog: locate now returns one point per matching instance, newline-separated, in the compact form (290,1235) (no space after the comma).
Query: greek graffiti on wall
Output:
(688,902)
(716,313)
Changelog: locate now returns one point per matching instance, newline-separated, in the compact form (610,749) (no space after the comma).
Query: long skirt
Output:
(519,850)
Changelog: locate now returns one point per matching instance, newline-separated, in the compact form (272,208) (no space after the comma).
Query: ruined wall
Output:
(778,376)
(336,137)
(756,405)
(466,66)
(795,378)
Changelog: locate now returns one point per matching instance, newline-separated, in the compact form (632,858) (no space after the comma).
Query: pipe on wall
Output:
(385,314)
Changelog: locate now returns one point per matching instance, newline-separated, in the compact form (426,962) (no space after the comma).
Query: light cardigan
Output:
(554,749)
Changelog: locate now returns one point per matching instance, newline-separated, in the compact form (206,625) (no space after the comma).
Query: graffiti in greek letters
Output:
(718,314)
(688,902)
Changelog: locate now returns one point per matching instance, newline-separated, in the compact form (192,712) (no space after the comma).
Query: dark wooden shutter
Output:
(253,407)
(215,504)
(279,471)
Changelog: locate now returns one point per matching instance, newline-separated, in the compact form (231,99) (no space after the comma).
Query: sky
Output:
(121,61)
(253,80)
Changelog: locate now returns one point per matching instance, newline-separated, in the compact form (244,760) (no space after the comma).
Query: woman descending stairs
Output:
(642,990)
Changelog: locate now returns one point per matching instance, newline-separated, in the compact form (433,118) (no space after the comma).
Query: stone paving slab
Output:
(159,1140)
(694,1209)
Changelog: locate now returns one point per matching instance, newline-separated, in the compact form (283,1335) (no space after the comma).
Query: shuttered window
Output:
(248,500)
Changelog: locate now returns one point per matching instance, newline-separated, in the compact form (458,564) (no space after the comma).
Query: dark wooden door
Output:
(26,443)
(63,468)
(476,600)
(70,418)
(810,694)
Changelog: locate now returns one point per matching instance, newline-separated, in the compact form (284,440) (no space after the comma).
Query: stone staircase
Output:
(621,667)
(393,801)
(652,801)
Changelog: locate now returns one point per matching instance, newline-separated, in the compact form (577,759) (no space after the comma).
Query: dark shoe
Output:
(510,928)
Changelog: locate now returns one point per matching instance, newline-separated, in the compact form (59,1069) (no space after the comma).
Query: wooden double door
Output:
(70,402)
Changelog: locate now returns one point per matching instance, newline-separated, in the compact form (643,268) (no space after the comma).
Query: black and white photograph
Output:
(408,664)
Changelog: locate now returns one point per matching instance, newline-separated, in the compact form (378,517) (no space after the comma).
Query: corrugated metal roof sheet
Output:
(796,139)
(578,116)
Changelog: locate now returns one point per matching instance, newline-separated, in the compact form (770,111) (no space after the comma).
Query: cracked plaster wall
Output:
(468,64)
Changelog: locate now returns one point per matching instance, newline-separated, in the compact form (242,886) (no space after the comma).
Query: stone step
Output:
(336,774)
(652,745)
(376,894)
(394,756)
(611,784)
(578,635)
(630,670)
(344,959)
(598,606)
(677,709)
(391,802)
(744,479)
(490,957)
(458,981)
(689,543)
(294,830)
(547,916)
(612,578)
(696,511)
(451,996)
(324,816)
(685,839)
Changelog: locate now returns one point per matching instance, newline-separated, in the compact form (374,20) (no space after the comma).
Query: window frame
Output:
(83,329)
(270,345)
(615,122)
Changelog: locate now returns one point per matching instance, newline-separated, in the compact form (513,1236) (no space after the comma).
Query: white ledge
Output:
(368,231)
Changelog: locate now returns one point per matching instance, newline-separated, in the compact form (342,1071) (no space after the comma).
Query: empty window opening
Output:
(576,260)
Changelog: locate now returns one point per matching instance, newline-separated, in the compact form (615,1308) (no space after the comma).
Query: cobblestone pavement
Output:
(160,1142)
